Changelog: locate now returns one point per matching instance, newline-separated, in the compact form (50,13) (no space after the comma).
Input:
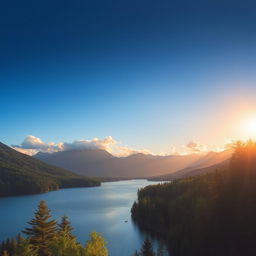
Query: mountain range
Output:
(100,163)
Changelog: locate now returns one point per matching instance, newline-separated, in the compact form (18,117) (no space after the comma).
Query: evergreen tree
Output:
(42,230)
(64,245)
(9,245)
(96,246)
(24,248)
(147,249)
(136,253)
(65,226)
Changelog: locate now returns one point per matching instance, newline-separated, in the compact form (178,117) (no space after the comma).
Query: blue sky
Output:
(151,74)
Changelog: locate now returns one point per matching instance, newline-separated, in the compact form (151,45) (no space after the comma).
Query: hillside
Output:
(208,163)
(99,163)
(22,174)
(212,214)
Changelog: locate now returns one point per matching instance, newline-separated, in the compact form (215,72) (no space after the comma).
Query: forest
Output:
(22,174)
(212,214)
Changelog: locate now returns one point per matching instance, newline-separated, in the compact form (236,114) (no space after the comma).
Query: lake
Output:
(104,209)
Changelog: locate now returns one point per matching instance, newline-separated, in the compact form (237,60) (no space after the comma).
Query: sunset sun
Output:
(250,126)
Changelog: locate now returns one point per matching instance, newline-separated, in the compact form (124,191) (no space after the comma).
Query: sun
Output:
(250,127)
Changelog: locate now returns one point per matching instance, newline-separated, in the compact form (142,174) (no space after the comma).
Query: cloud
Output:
(195,147)
(29,152)
(123,151)
(31,145)
(95,143)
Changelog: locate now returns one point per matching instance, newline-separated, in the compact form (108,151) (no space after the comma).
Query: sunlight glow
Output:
(250,127)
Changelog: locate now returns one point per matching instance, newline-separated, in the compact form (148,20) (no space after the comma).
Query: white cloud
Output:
(95,143)
(32,145)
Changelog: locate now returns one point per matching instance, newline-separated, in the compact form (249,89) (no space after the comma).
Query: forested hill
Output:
(22,174)
(211,215)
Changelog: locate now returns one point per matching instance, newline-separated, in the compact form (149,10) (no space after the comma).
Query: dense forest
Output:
(22,174)
(212,214)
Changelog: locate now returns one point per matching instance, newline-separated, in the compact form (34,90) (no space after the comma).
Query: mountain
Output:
(23,174)
(220,166)
(99,163)
(206,164)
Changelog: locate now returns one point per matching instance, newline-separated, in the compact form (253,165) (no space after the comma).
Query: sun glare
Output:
(250,127)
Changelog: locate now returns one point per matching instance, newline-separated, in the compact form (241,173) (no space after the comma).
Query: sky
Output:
(155,76)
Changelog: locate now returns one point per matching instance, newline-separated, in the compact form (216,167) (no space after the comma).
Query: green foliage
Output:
(24,248)
(65,226)
(211,215)
(8,245)
(22,174)
(96,246)
(64,245)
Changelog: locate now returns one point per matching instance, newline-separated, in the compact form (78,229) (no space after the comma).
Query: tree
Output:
(24,248)
(65,226)
(147,249)
(96,246)
(64,245)
(42,230)
(9,245)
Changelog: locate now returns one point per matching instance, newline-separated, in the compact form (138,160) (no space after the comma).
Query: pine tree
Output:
(64,245)
(96,246)
(65,226)
(24,248)
(42,230)
(9,245)
(147,249)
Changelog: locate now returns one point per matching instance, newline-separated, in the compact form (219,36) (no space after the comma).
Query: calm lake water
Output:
(103,209)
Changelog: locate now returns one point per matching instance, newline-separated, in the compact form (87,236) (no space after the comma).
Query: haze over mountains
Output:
(207,163)
(99,163)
